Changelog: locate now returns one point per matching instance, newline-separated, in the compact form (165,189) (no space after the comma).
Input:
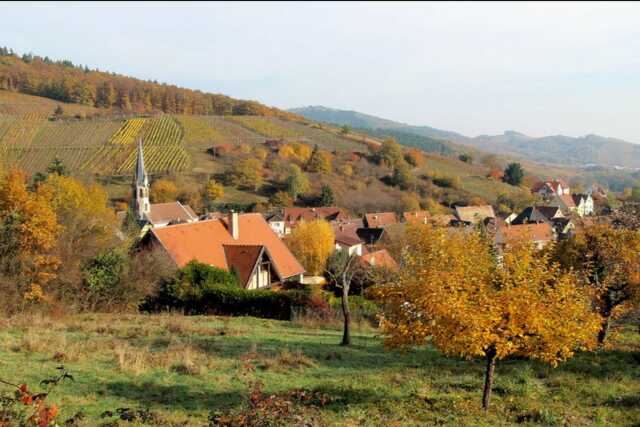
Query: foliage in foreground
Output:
(453,291)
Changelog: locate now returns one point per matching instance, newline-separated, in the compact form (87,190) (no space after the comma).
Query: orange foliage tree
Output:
(312,243)
(452,291)
(28,231)
(608,262)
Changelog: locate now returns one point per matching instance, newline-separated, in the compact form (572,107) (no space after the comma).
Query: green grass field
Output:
(184,367)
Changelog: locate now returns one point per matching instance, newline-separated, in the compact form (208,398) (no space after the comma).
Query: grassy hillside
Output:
(183,368)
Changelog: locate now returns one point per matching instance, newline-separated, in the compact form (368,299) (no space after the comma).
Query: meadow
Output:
(179,370)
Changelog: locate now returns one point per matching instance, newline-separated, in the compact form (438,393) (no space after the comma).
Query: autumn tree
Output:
(212,191)
(402,176)
(28,233)
(163,191)
(346,170)
(247,173)
(414,157)
(88,227)
(312,243)
(341,269)
(297,182)
(319,161)
(390,153)
(608,262)
(452,293)
(409,202)
(281,199)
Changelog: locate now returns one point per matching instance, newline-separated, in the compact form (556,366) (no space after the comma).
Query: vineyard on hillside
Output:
(162,147)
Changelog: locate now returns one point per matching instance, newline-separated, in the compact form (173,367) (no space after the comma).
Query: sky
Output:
(474,68)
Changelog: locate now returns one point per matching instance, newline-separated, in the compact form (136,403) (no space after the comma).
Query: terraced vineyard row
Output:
(263,126)
(200,132)
(162,145)
(128,132)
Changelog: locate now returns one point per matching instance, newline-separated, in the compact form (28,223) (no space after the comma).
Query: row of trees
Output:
(66,82)
(457,293)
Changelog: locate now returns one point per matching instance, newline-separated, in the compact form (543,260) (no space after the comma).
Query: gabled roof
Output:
(160,213)
(537,214)
(204,241)
(292,215)
(552,185)
(542,232)
(474,214)
(243,259)
(380,219)
(417,216)
(567,200)
(380,258)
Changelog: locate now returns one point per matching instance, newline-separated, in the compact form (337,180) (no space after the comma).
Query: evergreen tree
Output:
(513,174)
(326,196)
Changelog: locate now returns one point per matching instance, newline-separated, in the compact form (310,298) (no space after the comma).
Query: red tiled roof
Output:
(540,232)
(419,216)
(568,200)
(380,219)
(172,211)
(292,215)
(380,258)
(204,241)
(242,259)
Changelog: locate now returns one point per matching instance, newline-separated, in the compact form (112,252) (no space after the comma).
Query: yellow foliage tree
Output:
(163,191)
(29,228)
(247,173)
(319,161)
(346,170)
(312,243)
(452,291)
(607,260)
(213,190)
(88,224)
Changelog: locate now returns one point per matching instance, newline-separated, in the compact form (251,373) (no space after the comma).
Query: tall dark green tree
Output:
(513,174)
(326,196)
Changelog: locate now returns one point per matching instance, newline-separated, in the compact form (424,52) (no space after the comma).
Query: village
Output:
(246,241)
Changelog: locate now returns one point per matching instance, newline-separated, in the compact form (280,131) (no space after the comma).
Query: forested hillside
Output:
(553,149)
(67,82)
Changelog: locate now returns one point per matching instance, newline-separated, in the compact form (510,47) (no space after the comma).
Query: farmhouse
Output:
(292,216)
(241,243)
(540,234)
(547,189)
(537,214)
(380,258)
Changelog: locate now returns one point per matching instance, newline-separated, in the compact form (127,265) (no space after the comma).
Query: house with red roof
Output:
(380,219)
(243,243)
(540,234)
(547,189)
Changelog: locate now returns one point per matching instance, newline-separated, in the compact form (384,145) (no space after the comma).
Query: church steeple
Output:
(143,207)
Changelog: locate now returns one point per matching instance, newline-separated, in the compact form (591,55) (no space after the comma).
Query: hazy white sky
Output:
(475,68)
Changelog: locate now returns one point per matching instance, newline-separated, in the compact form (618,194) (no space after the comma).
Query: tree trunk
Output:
(488,380)
(604,330)
(346,336)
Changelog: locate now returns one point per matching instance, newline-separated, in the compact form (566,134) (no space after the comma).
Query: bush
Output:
(201,289)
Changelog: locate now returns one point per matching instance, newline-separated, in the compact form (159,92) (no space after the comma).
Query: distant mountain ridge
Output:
(555,149)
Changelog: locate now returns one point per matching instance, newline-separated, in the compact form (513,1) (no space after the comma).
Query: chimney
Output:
(234,228)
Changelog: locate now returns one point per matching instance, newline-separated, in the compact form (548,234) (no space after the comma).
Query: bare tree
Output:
(341,268)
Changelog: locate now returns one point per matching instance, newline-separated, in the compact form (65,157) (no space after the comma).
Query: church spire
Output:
(143,207)
(141,174)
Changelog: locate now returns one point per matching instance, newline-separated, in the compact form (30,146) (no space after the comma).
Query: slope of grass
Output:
(14,103)
(184,367)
